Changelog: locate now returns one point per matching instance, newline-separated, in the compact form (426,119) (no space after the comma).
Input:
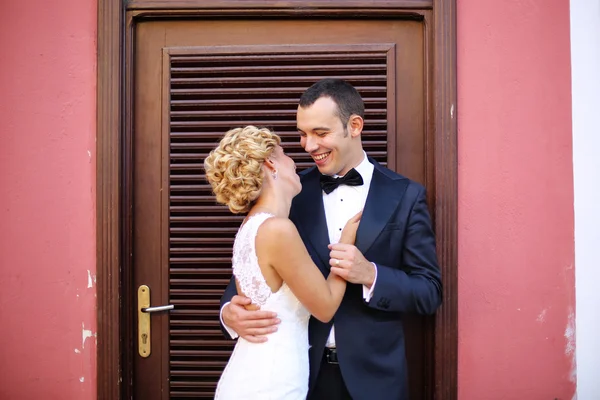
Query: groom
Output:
(392,269)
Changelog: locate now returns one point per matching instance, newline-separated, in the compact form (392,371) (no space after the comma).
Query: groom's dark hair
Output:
(346,97)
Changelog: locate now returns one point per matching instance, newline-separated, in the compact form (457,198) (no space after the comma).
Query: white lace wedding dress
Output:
(277,369)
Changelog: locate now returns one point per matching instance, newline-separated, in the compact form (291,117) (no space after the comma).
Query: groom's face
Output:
(325,138)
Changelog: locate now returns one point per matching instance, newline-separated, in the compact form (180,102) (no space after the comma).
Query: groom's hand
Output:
(349,263)
(252,325)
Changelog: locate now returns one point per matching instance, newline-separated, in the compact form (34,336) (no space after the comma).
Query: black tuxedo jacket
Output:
(395,233)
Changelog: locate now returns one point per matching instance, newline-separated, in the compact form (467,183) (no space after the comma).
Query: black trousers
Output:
(330,384)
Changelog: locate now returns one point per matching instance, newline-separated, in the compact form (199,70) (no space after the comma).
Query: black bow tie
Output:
(329,183)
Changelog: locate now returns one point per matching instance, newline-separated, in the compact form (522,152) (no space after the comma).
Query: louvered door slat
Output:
(245,69)
(296,58)
(237,113)
(247,80)
(287,90)
(291,102)
(209,94)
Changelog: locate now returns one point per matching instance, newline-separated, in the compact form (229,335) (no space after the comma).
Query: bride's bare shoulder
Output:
(277,227)
(277,238)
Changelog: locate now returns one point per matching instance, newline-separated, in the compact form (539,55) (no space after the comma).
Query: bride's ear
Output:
(270,165)
(270,168)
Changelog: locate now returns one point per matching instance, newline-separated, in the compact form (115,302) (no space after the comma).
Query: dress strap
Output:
(245,261)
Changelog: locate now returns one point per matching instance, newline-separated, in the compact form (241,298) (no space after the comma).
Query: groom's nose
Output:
(311,144)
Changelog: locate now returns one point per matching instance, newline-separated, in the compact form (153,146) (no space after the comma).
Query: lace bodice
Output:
(245,262)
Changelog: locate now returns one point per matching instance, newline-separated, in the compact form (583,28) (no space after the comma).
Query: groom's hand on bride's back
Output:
(248,321)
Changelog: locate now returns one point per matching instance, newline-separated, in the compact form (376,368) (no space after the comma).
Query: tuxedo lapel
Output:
(310,218)
(384,196)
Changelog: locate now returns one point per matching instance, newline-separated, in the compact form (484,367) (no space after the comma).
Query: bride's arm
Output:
(290,259)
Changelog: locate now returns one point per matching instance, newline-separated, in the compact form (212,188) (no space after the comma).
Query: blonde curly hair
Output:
(234,168)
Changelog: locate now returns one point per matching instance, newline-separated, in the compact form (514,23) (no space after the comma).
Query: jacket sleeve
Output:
(230,291)
(415,285)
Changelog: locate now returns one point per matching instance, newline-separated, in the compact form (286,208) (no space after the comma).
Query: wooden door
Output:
(192,81)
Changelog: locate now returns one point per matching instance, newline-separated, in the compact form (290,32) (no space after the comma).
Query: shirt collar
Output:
(365,168)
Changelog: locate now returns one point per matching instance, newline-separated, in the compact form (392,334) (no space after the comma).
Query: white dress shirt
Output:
(340,205)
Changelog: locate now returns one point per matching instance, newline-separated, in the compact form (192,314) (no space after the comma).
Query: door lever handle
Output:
(158,308)
(144,322)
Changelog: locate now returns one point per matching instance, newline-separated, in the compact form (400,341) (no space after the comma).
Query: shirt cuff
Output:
(367,293)
(231,332)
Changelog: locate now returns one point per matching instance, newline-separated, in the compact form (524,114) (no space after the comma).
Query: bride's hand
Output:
(349,231)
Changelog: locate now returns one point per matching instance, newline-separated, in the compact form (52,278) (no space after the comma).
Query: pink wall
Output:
(516,253)
(47,200)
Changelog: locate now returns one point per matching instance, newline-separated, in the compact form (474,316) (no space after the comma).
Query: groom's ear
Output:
(355,125)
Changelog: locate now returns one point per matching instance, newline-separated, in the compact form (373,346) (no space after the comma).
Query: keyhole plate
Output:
(144,338)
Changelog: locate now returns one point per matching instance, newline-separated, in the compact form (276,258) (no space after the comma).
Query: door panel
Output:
(194,80)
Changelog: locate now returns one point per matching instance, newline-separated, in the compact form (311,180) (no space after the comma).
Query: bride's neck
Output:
(274,204)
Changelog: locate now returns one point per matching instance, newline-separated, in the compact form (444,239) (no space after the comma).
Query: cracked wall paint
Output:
(542,317)
(570,345)
(91,279)
(86,333)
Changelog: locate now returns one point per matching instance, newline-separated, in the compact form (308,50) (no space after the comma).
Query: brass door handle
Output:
(144,321)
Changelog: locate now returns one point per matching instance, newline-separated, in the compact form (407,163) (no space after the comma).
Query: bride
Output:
(250,173)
